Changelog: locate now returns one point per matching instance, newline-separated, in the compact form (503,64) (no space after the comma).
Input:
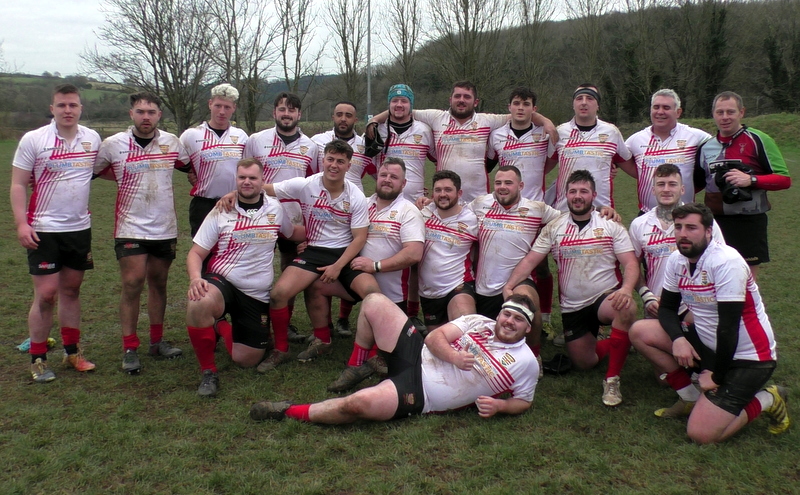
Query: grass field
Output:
(107,432)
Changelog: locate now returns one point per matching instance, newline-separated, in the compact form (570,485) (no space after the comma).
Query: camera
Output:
(730,193)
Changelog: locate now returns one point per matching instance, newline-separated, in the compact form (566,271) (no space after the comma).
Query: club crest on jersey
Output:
(474,125)
(704,277)
(462,227)
(507,359)
(393,215)
(303,150)
(523,212)
(346,206)
(271,218)
(417,138)
(234,139)
(681,143)
(602,137)
(164,148)
(741,147)
(86,145)
(598,232)
(360,148)
(537,137)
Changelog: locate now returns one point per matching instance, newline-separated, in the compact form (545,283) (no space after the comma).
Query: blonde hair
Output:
(226,92)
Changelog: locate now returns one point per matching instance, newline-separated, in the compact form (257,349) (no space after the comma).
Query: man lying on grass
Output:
(472,359)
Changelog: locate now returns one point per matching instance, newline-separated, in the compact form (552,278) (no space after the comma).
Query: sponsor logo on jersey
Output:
(87,146)
(681,143)
(602,137)
(164,148)
(598,232)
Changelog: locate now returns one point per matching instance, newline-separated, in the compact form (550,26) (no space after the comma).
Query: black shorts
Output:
(434,311)
(60,249)
(286,246)
(199,208)
(742,381)
(578,323)
(163,249)
(249,317)
(489,306)
(316,257)
(405,371)
(747,234)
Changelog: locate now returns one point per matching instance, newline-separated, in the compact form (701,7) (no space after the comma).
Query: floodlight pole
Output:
(369,59)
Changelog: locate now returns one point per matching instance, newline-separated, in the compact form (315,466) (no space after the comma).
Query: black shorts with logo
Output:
(249,316)
(405,371)
(61,249)
(164,249)
(489,306)
(578,323)
(434,311)
(316,257)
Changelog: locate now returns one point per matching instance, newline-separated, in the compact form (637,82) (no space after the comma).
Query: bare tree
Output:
(243,51)
(347,20)
(534,15)
(405,23)
(295,20)
(587,15)
(159,46)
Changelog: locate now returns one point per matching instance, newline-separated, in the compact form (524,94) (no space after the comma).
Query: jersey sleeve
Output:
(544,242)
(730,280)
(635,236)
(412,227)
(623,152)
(670,271)
(550,214)
(622,241)
(316,158)
(360,216)
(25,156)
(104,159)
(289,188)
(525,381)
(287,228)
(208,233)
(428,117)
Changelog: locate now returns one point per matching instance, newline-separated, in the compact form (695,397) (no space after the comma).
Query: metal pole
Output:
(369,59)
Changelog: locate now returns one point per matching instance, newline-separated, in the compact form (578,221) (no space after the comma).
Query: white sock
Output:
(765,398)
(689,393)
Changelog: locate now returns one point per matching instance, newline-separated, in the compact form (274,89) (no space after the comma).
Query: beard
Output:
(587,207)
(469,112)
(695,250)
(507,200)
(284,127)
(387,195)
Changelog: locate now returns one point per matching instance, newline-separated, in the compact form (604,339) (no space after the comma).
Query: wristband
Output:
(377,266)
(647,295)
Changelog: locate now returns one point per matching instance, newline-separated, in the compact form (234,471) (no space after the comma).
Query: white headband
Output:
(519,308)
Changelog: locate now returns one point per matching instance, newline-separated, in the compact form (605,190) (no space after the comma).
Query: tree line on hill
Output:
(629,48)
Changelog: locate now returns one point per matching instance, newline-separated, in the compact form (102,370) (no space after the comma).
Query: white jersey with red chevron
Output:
(655,245)
(446,259)
(145,207)
(649,151)
(328,221)
(499,368)
(414,146)
(243,245)
(462,147)
(586,259)
(360,164)
(595,151)
(61,172)
(722,275)
(389,229)
(282,161)
(214,158)
(528,153)
(505,236)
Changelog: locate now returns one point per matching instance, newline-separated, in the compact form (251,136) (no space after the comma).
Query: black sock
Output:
(34,357)
(71,349)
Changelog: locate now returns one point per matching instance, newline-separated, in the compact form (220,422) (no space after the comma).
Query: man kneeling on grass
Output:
(472,359)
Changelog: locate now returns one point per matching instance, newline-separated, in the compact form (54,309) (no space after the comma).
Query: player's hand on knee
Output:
(684,353)
(620,299)
(198,288)
(705,381)
(487,406)
(330,273)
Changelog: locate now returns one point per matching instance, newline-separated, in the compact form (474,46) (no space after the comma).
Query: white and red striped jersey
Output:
(360,164)
(281,161)
(462,147)
(145,207)
(595,151)
(528,153)
(505,237)
(242,245)
(586,259)
(499,368)
(328,221)
(61,173)
(649,151)
(414,146)
(655,245)
(446,259)
(389,229)
(214,158)
(722,275)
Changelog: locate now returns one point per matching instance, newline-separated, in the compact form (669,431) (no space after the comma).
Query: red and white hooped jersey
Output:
(214,158)
(655,245)
(505,237)
(281,161)
(595,151)
(389,229)
(499,368)
(586,259)
(722,275)
(528,153)
(649,151)
(446,259)
(462,147)
(414,146)
(61,174)
(145,207)
(328,221)
(360,164)
(243,245)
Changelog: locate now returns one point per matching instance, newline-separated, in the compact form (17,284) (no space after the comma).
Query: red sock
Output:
(544,287)
(204,340)
(678,379)
(413,308)
(602,348)
(323,334)
(130,342)
(298,412)
(280,328)
(345,308)
(156,332)
(620,346)
(70,336)
(358,356)
(373,352)
(291,311)
(753,409)
(38,348)
(536,349)
(226,332)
